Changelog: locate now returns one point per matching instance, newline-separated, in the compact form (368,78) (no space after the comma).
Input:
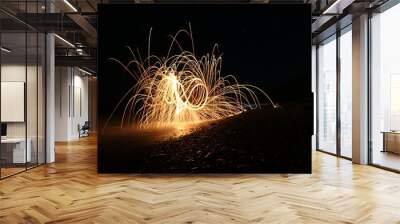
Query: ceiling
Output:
(75,22)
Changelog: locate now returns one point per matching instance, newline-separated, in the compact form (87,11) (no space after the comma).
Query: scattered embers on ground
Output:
(265,140)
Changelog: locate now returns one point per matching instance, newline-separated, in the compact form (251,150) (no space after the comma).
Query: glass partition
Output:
(22,77)
(13,109)
(327,95)
(385,89)
(346,93)
(41,91)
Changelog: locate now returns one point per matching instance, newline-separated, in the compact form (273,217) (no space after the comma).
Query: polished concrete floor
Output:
(71,191)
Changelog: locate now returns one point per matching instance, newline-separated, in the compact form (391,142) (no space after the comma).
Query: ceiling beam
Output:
(86,26)
(79,61)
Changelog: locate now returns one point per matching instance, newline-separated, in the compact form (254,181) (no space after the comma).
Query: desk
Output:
(391,141)
(15,148)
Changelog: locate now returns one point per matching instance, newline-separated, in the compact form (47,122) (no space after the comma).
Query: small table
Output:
(15,148)
(391,141)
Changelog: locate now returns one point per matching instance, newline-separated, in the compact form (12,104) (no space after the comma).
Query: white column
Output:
(360,90)
(50,103)
(50,92)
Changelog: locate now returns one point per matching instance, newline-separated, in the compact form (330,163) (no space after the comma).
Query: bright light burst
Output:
(183,88)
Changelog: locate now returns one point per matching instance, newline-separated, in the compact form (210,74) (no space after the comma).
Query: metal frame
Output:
(46,2)
(37,91)
(338,98)
(369,80)
(0,94)
(26,88)
(317,97)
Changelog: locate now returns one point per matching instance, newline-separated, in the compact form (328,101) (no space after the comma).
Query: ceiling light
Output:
(326,11)
(84,71)
(70,5)
(65,41)
(79,51)
(5,50)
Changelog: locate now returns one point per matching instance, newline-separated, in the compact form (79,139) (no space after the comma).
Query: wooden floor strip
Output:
(71,191)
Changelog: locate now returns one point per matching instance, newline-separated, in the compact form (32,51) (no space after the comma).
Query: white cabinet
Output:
(19,155)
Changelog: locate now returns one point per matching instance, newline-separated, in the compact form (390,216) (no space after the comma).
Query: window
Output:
(346,93)
(385,88)
(327,95)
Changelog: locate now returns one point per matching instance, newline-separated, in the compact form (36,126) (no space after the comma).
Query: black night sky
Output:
(264,45)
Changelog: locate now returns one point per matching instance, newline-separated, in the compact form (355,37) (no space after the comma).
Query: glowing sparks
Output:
(182,89)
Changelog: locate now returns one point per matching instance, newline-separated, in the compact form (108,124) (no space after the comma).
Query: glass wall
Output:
(385,88)
(345,92)
(13,90)
(327,95)
(22,93)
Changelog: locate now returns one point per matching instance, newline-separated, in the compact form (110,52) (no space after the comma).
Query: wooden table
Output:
(391,141)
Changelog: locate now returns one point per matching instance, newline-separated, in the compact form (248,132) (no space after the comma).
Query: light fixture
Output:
(329,9)
(80,51)
(5,50)
(64,40)
(70,5)
(84,71)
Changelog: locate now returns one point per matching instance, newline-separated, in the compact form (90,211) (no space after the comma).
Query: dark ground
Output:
(266,140)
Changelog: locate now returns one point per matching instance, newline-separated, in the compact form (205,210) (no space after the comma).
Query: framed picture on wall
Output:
(204,88)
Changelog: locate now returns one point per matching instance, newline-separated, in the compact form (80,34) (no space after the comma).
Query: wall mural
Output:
(204,89)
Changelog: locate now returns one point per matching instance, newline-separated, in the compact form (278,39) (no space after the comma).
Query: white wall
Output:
(33,127)
(15,72)
(62,81)
(80,102)
(71,102)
